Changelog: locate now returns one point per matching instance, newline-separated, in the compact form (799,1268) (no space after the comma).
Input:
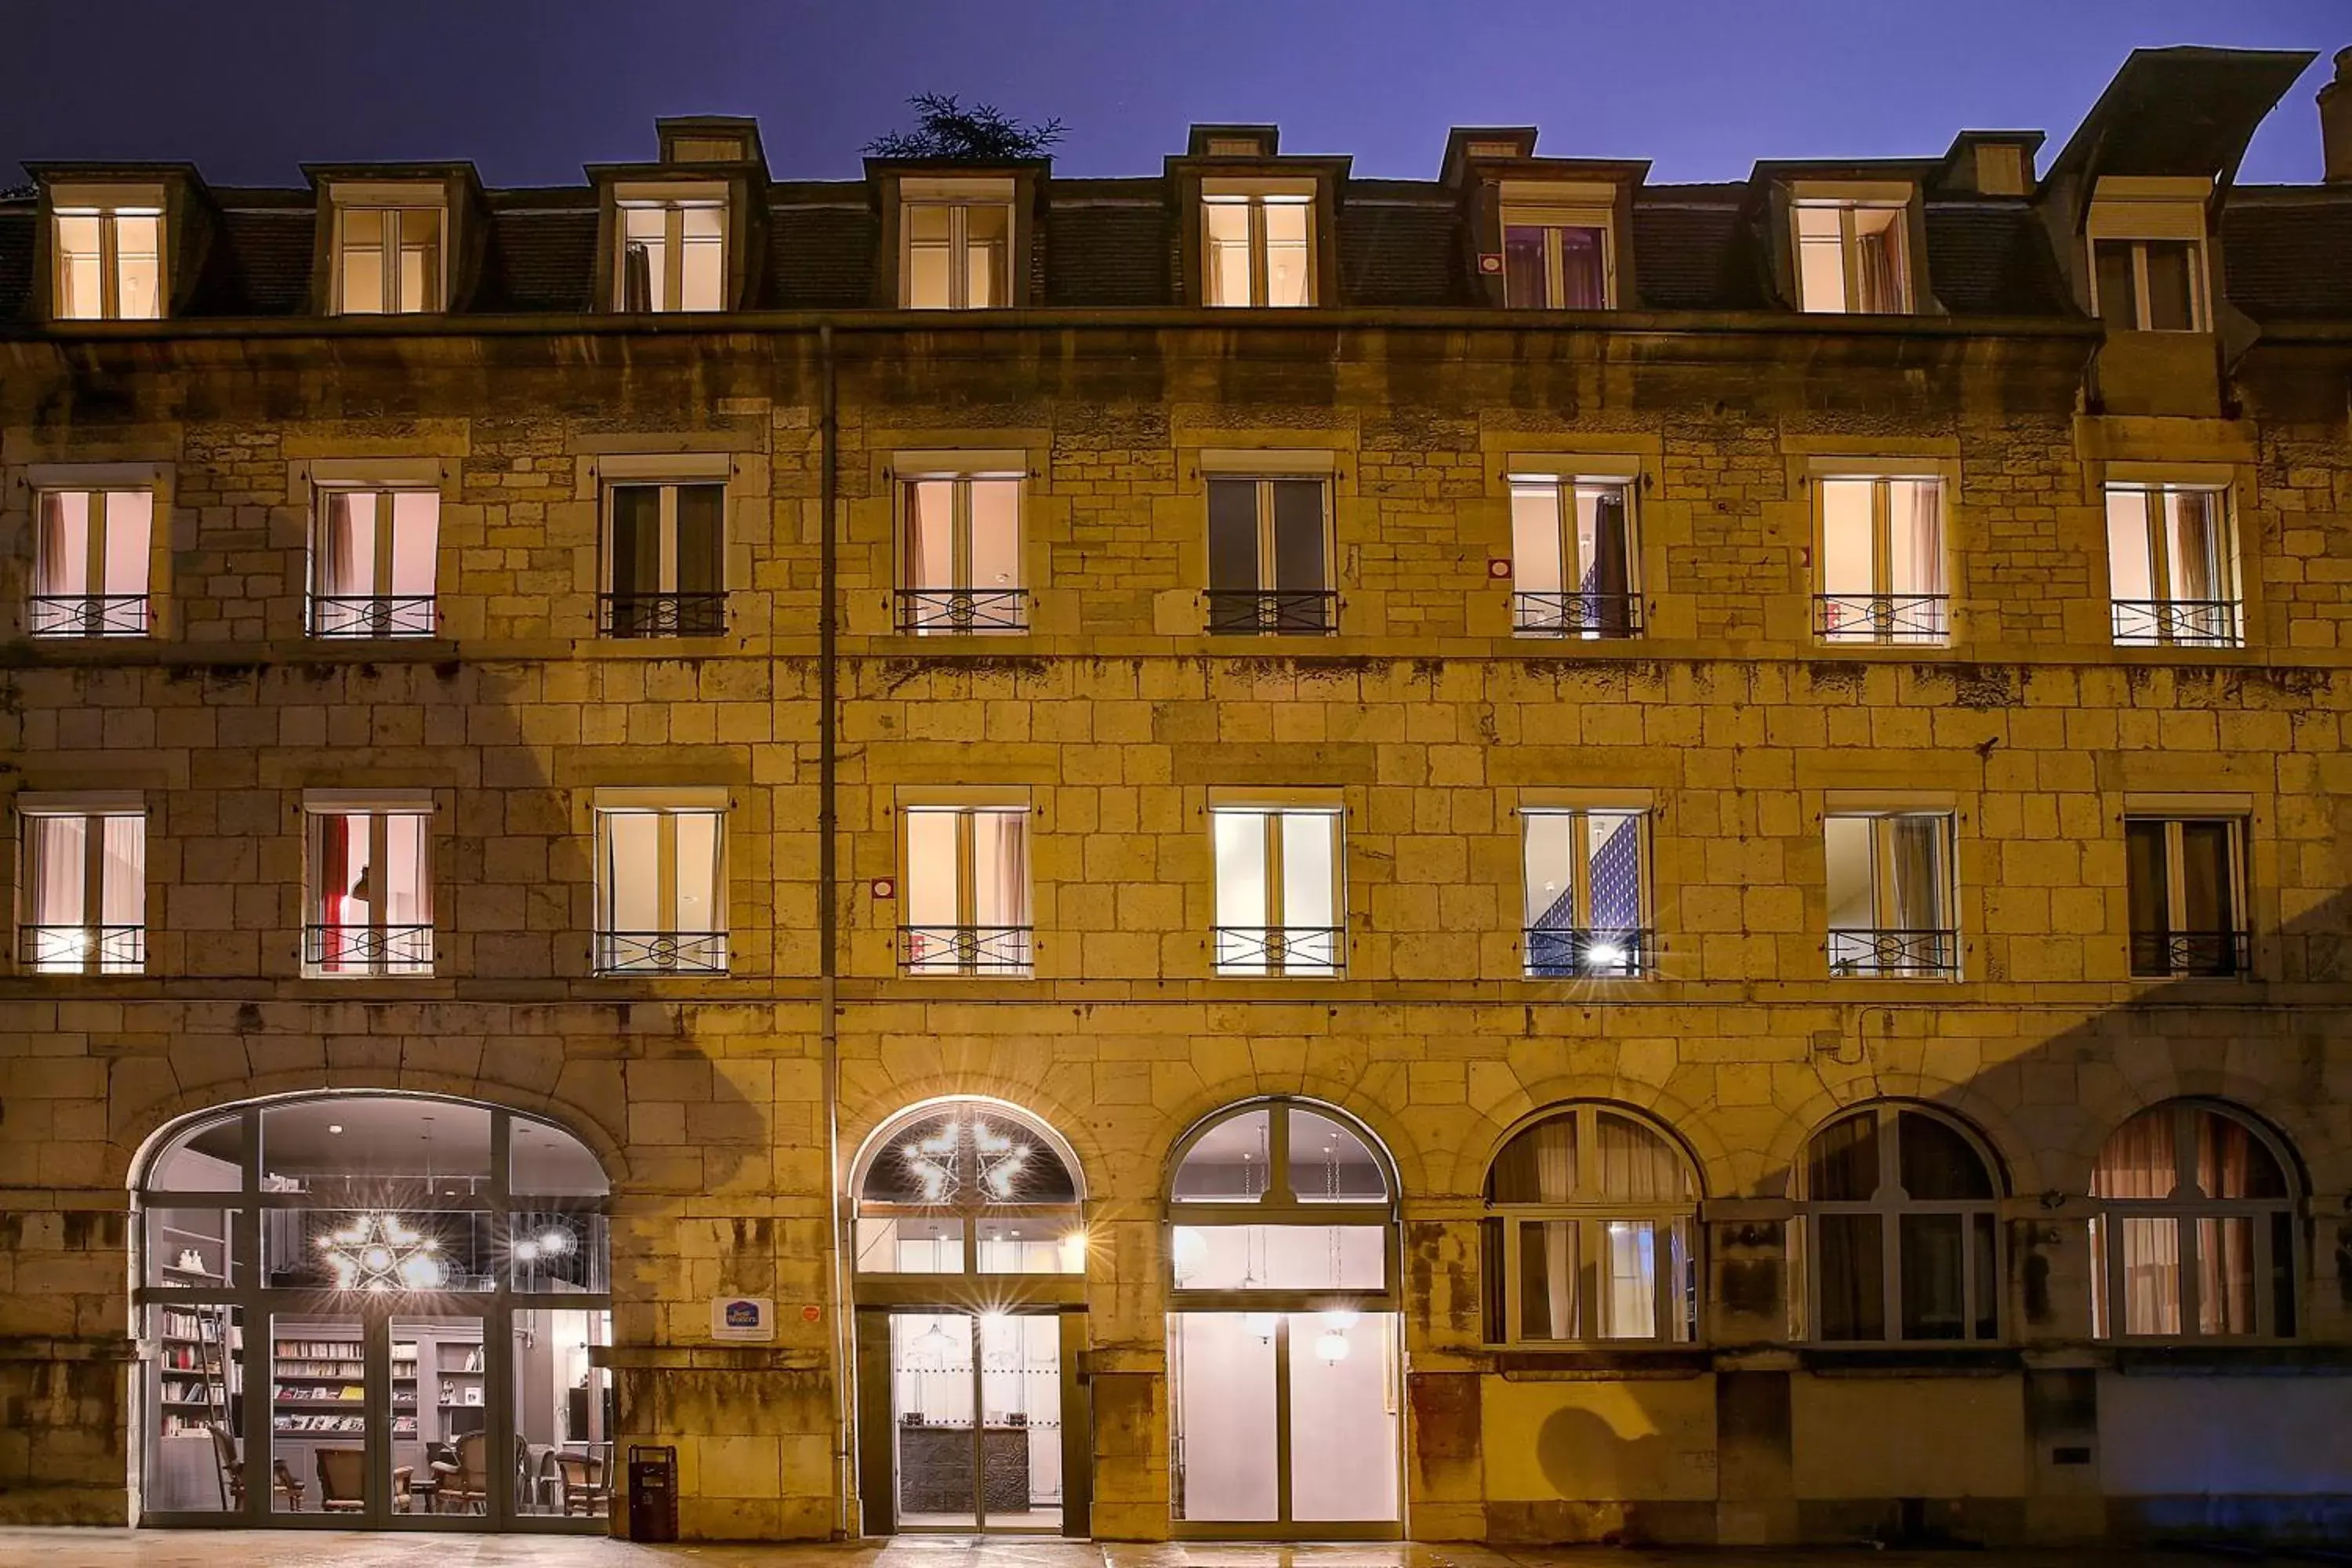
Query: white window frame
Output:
(391,202)
(958,197)
(1591,959)
(1886,897)
(2185,1209)
(2200,316)
(377,952)
(93,618)
(2163,567)
(1551,209)
(969,947)
(2135,210)
(86,949)
(1847,200)
(378,615)
(1890,1203)
(1564,487)
(661,952)
(1256,194)
(109,204)
(669,288)
(616,477)
(966,608)
(2176,857)
(1927,624)
(1268,587)
(1274,956)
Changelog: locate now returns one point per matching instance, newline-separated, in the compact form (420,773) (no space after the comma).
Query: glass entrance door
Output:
(976,1420)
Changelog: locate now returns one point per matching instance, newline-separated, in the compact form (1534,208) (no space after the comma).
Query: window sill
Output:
(1910,1361)
(1594,1363)
(2273,1358)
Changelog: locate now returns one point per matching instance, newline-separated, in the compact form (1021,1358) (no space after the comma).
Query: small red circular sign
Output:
(811,1314)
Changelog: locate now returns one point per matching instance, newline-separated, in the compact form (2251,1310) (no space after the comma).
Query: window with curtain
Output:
(1269,557)
(109,262)
(388,259)
(1852,257)
(1879,572)
(672,257)
(374,562)
(1573,557)
(959,555)
(1257,247)
(1591,1231)
(661,889)
(90,552)
(2184,881)
(1556,258)
(84,889)
(2172,566)
(2194,1237)
(1278,891)
(1898,1239)
(967,891)
(665,560)
(1586,892)
(371,890)
(954,255)
(1890,895)
(2148,285)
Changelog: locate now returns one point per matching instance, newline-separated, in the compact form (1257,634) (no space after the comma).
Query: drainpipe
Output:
(828,922)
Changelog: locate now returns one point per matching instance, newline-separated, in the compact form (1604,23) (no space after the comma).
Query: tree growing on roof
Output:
(981,134)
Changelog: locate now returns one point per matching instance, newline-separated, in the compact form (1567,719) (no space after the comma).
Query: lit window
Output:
(389,259)
(2148,285)
(1259,248)
(1890,895)
(1591,1233)
(960,554)
(1880,577)
(1278,891)
(372,563)
(1269,557)
(2195,1233)
(955,253)
(971,1188)
(2184,880)
(2172,566)
(1852,258)
(1572,558)
(660,889)
(1584,880)
(1897,1239)
(966,893)
(85,888)
(1556,258)
(371,892)
(90,564)
(665,554)
(672,256)
(110,263)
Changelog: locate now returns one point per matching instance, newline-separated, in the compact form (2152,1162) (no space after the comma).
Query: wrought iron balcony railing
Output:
(2190,952)
(372,616)
(1895,955)
(662,614)
(963,610)
(1883,618)
(368,949)
(1576,615)
(1287,612)
(661,953)
(2177,623)
(1279,950)
(1558,953)
(88,615)
(82,950)
(964,950)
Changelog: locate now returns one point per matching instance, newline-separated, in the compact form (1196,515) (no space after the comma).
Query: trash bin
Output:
(653,1493)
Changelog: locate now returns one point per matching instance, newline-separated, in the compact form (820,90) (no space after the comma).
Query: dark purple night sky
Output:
(531,90)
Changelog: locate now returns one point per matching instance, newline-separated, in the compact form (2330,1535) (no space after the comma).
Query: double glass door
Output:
(376,1415)
(977,1434)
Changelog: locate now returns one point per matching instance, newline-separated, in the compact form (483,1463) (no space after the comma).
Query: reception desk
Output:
(935,1470)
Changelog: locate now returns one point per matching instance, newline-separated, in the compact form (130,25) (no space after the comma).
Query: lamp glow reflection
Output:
(382,1252)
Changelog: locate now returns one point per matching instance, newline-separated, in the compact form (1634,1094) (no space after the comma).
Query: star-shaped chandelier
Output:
(960,1154)
(382,1252)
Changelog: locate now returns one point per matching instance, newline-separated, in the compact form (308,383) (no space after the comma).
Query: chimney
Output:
(2336,123)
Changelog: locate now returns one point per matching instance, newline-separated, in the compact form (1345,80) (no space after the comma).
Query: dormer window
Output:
(109,255)
(388,256)
(673,252)
(1257,242)
(955,243)
(1558,252)
(1852,257)
(2148,285)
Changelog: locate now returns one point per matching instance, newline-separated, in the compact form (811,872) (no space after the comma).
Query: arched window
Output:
(353,1300)
(1282,1344)
(1898,1241)
(969,1187)
(2195,1233)
(1592,1232)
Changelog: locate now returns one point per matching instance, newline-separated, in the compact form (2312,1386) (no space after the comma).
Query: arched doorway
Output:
(1284,1355)
(375,1310)
(970,1251)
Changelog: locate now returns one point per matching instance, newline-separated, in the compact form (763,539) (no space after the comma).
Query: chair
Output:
(587,1483)
(232,1471)
(343,1481)
(465,1484)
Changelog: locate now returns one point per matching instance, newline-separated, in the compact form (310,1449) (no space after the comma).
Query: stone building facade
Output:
(2039,720)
